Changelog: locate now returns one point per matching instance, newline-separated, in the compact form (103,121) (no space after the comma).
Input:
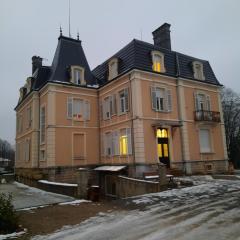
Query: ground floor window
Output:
(205,142)
(79,146)
(118,142)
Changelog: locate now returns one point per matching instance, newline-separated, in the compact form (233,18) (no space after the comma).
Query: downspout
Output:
(38,155)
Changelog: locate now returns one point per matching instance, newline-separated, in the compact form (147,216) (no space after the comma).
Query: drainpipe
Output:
(131,109)
(180,114)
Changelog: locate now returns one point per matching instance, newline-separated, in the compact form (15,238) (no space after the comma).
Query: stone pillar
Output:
(162,174)
(83,177)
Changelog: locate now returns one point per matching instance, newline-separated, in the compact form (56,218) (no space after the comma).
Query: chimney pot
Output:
(36,63)
(161,36)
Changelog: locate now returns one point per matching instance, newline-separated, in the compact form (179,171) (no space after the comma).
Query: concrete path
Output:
(27,197)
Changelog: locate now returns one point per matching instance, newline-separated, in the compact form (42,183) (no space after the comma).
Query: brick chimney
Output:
(36,63)
(161,36)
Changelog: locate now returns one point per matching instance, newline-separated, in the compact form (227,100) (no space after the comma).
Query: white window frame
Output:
(42,159)
(84,109)
(198,70)
(128,133)
(202,142)
(123,97)
(202,99)
(156,98)
(80,72)
(155,56)
(113,68)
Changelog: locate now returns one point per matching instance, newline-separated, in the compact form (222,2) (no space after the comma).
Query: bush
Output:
(8,215)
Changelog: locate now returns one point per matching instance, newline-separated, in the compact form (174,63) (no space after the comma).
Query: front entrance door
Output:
(163,146)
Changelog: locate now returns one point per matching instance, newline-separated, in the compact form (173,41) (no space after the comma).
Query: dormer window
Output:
(198,70)
(77,75)
(113,68)
(158,62)
(29,84)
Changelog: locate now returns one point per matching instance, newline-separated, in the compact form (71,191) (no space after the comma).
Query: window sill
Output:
(162,111)
(79,158)
(42,143)
(205,153)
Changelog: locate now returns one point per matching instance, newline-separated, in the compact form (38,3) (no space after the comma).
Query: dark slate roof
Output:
(137,54)
(40,77)
(69,52)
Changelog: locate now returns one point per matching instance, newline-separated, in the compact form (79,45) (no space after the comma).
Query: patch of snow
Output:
(58,183)
(138,180)
(109,168)
(76,202)
(12,235)
(32,208)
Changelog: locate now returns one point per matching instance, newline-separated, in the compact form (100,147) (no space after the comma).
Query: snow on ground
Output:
(210,211)
(11,235)
(28,197)
(76,202)
(58,183)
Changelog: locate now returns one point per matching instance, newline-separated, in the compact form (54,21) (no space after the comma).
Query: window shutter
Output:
(154,99)
(111,105)
(69,107)
(208,103)
(126,100)
(104,109)
(195,95)
(169,100)
(87,110)
(129,140)
(114,104)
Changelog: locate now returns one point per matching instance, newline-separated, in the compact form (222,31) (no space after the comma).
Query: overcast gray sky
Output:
(208,29)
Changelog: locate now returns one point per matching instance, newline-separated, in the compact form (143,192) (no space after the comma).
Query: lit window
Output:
(198,70)
(125,146)
(205,143)
(158,61)
(162,133)
(113,68)
(42,124)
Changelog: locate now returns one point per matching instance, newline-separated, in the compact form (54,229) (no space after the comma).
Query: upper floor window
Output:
(112,68)
(202,102)
(123,101)
(158,62)
(78,109)
(19,123)
(77,75)
(29,117)
(161,99)
(205,141)
(109,107)
(198,70)
(42,124)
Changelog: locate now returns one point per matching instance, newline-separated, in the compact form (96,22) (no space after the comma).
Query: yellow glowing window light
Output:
(123,145)
(159,149)
(162,133)
(165,150)
(157,66)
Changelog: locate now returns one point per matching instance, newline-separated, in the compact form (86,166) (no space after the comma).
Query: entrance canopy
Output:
(110,168)
(163,123)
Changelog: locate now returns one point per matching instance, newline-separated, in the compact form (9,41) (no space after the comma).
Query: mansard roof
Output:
(137,55)
(69,52)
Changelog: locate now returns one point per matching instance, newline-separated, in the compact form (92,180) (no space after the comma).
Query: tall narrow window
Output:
(77,75)
(29,117)
(125,146)
(205,143)
(161,99)
(198,70)
(42,124)
(123,101)
(27,150)
(108,144)
(113,68)
(79,146)
(158,61)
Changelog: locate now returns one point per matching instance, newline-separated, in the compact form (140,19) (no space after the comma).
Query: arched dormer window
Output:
(77,75)
(198,70)
(158,61)
(112,68)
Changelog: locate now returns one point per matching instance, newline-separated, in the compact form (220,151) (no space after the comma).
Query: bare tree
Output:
(231,113)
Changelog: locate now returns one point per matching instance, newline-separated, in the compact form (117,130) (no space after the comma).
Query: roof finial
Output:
(69,18)
(78,35)
(60,30)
